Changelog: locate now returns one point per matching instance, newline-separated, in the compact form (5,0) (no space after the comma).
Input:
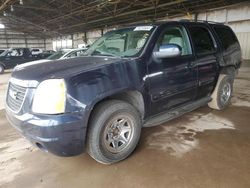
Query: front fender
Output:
(2,64)
(92,86)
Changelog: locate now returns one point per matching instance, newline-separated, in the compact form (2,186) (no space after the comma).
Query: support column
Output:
(44,43)
(85,38)
(6,39)
(196,17)
(26,42)
(72,38)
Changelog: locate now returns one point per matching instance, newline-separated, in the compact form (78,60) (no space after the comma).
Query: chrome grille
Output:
(15,96)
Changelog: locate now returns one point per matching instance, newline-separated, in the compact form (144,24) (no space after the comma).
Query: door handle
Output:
(191,65)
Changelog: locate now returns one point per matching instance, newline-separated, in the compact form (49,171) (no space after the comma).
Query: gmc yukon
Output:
(135,77)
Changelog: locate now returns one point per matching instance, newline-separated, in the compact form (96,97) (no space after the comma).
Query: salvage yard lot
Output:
(204,148)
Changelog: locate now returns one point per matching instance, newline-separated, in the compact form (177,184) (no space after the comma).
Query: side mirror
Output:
(168,50)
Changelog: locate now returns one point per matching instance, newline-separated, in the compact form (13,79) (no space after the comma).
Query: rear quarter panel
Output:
(231,56)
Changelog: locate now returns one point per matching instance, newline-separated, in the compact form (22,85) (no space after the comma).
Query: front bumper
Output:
(62,135)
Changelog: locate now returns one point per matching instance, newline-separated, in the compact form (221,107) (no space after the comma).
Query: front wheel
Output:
(222,94)
(114,131)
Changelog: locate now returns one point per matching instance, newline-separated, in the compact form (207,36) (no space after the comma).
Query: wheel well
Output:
(2,65)
(134,98)
(229,70)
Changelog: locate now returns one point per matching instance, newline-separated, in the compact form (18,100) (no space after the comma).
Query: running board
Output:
(167,116)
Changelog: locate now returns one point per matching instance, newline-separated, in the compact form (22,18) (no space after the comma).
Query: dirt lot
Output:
(205,148)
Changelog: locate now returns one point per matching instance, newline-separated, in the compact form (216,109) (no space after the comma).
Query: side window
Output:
(15,52)
(175,35)
(74,54)
(202,40)
(80,53)
(226,36)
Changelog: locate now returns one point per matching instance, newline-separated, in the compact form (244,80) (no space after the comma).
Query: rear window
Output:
(226,36)
(202,40)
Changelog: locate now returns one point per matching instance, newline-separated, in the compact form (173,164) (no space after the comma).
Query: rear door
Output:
(207,55)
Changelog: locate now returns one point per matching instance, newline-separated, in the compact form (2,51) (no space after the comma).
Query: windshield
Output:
(56,55)
(121,43)
(4,53)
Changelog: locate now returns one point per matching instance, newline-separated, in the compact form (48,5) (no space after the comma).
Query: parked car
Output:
(62,54)
(130,78)
(47,53)
(15,56)
(2,50)
(36,51)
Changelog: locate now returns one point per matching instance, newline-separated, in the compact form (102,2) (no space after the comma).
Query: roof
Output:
(49,18)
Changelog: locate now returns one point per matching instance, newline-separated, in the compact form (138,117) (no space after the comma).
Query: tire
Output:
(114,131)
(222,94)
(1,69)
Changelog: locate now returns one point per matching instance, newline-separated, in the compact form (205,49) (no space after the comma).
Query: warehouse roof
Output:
(58,17)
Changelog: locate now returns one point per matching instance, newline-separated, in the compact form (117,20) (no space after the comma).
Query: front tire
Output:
(222,94)
(114,131)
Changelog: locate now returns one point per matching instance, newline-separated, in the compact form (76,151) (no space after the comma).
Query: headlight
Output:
(50,97)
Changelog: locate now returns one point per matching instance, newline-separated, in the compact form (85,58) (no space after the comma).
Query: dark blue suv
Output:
(130,78)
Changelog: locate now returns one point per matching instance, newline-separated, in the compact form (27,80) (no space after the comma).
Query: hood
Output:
(31,63)
(61,68)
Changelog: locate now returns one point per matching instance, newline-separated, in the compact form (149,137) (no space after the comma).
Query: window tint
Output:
(226,37)
(15,52)
(175,35)
(202,40)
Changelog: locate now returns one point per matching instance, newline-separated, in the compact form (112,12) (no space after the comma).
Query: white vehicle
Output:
(62,54)
(67,53)
(36,51)
(74,53)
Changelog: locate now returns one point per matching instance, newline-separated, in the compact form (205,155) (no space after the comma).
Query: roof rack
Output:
(203,21)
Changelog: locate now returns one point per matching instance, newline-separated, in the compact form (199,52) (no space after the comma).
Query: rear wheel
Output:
(1,69)
(114,131)
(222,94)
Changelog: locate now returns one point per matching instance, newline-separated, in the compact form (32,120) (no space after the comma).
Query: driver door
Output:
(172,80)
(12,58)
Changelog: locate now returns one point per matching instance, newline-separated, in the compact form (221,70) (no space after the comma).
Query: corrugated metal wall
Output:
(13,39)
(244,39)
